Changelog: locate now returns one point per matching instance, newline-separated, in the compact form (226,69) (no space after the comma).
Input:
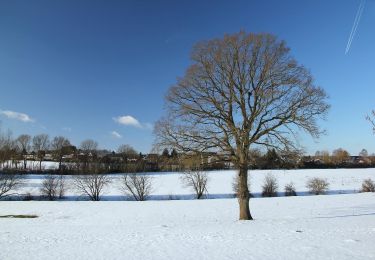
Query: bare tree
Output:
(53,186)
(363,153)
(371,119)
(197,180)
(89,148)
(137,185)
(40,146)
(8,182)
(59,145)
(7,147)
(126,150)
(91,185)
(323,156)
(242,91)
(24,144)
(340,156)
(89,145)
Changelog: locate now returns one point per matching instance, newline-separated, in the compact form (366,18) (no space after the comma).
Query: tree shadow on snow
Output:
(257,195)
(350,215)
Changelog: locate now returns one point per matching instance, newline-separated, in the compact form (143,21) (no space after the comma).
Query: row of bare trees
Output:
(53,187)
(14,150)
(87,158)
(17,153)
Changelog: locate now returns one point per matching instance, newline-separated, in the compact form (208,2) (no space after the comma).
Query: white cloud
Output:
(132,121)
(16,115)
(116,135)
(127,120)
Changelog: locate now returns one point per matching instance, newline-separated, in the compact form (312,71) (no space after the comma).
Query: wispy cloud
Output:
(17,116)
(68,129)
(116,135)
(148,126)
(355,25)
(128,121)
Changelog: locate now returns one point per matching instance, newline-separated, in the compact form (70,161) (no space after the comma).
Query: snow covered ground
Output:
(305,227)
(340,225)
(168,185)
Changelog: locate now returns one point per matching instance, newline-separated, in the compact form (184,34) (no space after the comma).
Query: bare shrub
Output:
(8,183)
(290,190)
(270,186)
(53,187)
(137,185)
(91,185)
(317,185)
(368,185)
(196,180)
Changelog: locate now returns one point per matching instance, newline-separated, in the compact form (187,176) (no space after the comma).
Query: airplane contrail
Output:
(355,25)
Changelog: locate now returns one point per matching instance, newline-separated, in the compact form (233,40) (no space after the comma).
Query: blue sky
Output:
(87,69)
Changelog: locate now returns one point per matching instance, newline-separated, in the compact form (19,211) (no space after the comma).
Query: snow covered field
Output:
(168,185)
(307,227)
(335,226)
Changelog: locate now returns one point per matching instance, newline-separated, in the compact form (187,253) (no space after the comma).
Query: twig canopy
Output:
(241,90)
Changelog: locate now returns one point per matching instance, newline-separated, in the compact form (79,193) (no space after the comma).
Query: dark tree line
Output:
(16,154)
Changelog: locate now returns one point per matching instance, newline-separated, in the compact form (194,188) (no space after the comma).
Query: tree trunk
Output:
(243,194)
(60,162)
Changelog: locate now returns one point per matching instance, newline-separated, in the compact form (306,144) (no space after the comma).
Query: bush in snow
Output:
(137,185)
(317,185)
(196,180)
(53,187)
(91,185)
(8,182)
(368,185)
(270,186)
(290,190)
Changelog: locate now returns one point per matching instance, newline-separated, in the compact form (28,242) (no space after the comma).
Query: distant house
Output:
(48,157)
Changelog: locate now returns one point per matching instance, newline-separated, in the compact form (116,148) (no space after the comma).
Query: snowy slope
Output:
(305,227)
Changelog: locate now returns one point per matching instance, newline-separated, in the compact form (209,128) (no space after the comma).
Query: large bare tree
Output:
(241,91)
(371,119)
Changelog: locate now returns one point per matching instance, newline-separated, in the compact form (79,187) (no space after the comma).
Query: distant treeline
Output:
(26,154)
